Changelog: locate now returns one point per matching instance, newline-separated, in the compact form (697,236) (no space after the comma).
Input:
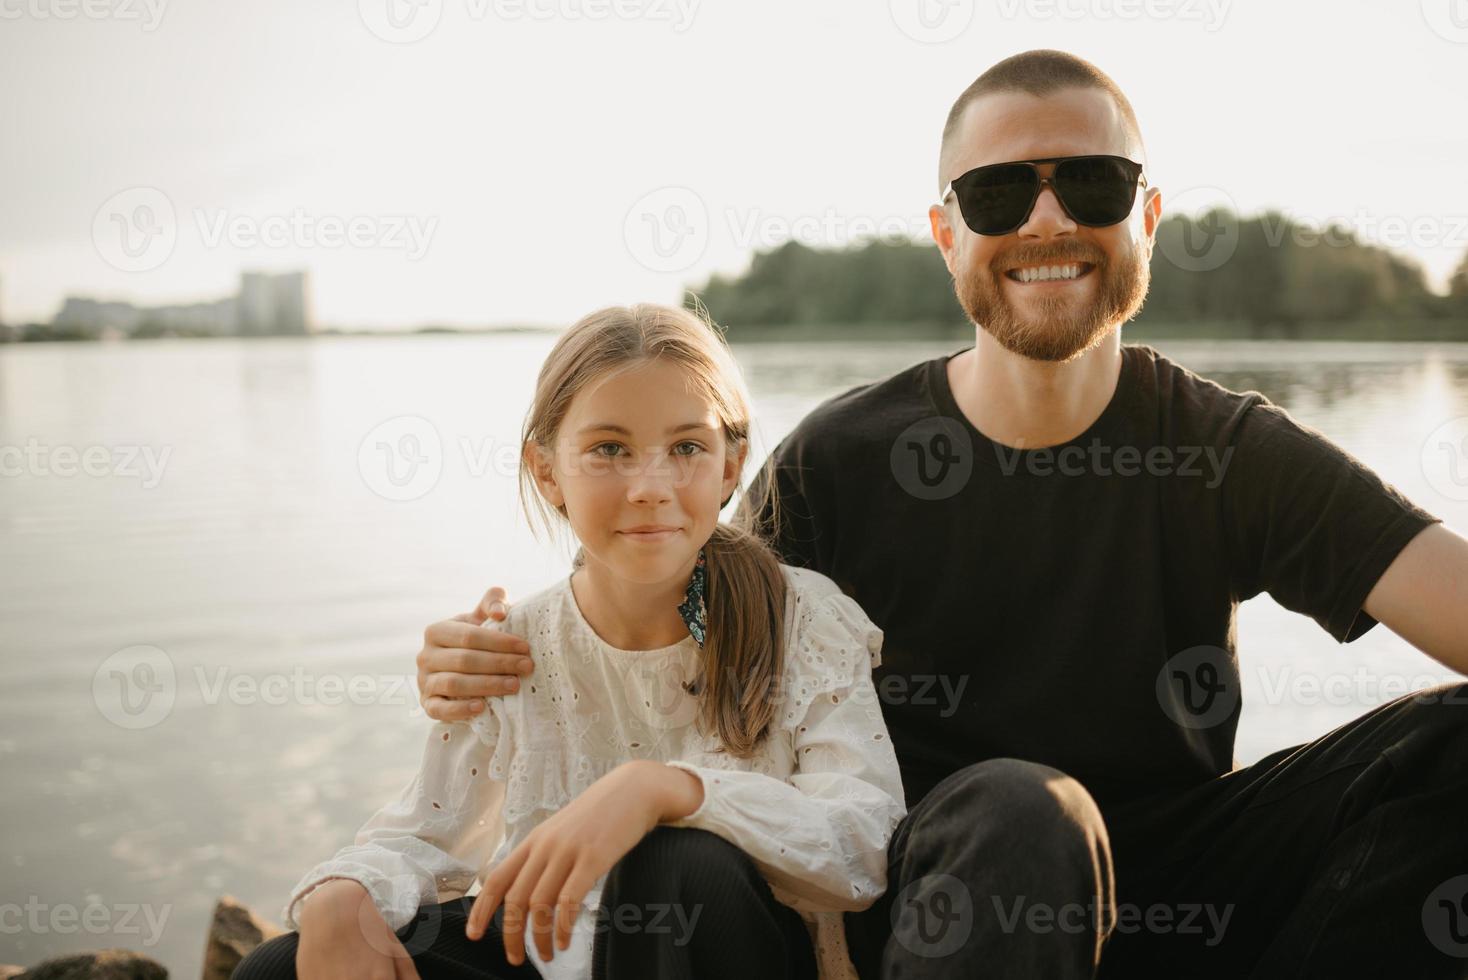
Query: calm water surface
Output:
(230,516)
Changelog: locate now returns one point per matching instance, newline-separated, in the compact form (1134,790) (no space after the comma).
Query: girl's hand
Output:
(553,868)
(344,937)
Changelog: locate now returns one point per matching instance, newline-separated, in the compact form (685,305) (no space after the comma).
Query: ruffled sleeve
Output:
(821,834)
(429,844)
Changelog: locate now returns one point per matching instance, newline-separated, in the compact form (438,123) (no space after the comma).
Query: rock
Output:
(234,931)
(107,964)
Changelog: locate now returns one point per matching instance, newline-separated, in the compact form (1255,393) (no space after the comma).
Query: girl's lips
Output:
(649,535)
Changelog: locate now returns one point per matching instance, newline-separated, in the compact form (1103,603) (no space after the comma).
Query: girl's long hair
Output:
(743,653)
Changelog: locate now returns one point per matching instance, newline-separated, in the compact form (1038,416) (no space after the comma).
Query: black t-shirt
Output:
(1075,605)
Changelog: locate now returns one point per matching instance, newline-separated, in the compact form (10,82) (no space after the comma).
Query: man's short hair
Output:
(1039,73)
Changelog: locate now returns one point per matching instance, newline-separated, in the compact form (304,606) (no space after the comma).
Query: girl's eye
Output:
(597,450)
(693,448)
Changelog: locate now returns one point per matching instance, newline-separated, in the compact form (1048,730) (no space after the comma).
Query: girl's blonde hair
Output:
(742,657)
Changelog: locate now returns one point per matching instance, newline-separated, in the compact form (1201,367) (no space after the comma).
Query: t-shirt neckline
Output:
(998,454)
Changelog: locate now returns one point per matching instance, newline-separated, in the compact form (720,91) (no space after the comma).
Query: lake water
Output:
(217,510)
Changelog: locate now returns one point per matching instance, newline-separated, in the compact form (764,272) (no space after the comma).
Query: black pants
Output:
(1343,857)
(682,904)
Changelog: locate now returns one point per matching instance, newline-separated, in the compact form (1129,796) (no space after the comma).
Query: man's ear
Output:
(541,462)
(942,233)
(1151,216)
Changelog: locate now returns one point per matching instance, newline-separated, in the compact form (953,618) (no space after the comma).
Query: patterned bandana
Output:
(694,610)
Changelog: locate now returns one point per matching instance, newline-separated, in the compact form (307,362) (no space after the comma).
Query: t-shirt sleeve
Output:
(800,522)
(1309,523)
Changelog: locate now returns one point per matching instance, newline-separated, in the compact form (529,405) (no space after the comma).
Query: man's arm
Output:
(1423,596)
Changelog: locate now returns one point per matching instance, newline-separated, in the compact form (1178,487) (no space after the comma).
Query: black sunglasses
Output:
(1094,190)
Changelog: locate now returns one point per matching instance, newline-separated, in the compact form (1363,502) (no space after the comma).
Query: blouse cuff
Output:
(695,818)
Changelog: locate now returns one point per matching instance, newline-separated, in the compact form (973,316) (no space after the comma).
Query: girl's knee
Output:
(670,861)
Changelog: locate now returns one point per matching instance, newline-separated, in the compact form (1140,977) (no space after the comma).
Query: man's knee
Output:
(1010,807)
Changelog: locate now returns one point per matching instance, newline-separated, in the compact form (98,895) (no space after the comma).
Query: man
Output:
(1054,531)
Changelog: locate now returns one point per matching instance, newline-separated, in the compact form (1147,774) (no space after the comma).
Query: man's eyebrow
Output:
(621,430)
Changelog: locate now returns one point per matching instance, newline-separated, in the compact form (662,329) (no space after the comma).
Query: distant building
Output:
(266,306)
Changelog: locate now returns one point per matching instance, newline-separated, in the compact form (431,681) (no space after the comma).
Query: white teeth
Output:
(1047,272)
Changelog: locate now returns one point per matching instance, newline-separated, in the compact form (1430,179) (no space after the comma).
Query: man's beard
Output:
(1060,329)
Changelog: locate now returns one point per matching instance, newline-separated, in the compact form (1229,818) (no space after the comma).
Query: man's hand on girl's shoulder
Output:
(463,662)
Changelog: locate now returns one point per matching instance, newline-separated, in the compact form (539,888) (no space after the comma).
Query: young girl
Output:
(700,730)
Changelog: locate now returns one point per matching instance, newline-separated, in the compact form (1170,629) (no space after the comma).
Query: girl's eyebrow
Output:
(609,427)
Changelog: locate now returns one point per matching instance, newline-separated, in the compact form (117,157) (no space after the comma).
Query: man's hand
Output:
(462,662)
(344,937)
(548,874)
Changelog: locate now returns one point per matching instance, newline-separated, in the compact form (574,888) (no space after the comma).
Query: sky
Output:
(488,162)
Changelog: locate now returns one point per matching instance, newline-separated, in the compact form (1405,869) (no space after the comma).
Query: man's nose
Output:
(1047,217)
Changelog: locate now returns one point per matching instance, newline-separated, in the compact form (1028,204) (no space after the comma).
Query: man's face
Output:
(1055,320)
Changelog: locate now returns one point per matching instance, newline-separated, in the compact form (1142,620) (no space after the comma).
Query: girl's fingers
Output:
(578,883)
(492,887)
(544,901)
(517,907)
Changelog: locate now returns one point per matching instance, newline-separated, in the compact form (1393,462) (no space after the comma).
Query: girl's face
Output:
(641,465)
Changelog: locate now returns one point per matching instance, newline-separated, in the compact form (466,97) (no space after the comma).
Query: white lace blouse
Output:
(814,808)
